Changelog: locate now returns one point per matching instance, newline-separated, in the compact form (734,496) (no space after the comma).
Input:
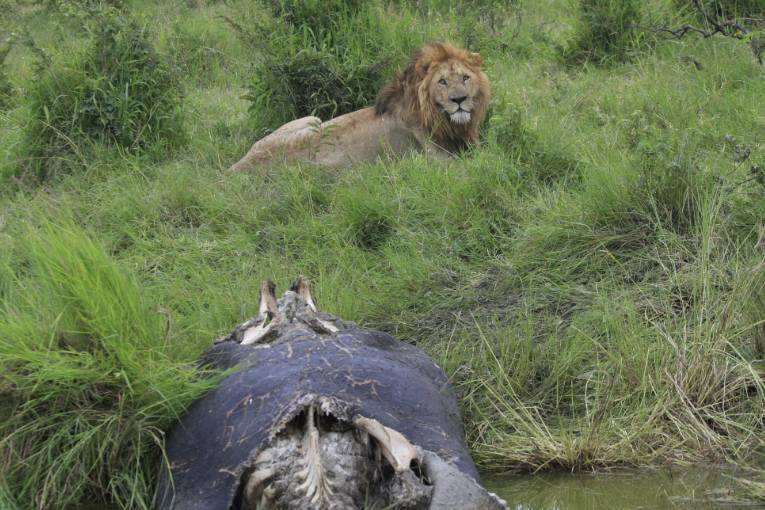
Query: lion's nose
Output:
(459,99)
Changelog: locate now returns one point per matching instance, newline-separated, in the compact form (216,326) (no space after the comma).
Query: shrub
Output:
(323,65)
(317,15)
(119,92)
(608,31)
(313,82)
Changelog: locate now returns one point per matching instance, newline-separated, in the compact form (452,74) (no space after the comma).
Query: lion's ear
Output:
(422,68)
(474,59)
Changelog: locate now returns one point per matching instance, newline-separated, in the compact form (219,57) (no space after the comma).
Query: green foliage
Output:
(311,82)
(8,37)
(608,31)
(73,6)
(6,500)
(324,60)
(671,186)
(539,160)
(198,49)
(494,23)
(724,9)
(6,88)
(754,485)
(742,19)
(370,222)
(118,91)
(87,374)
(320,17)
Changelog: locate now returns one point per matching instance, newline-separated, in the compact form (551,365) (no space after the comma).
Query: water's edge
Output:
(676,488)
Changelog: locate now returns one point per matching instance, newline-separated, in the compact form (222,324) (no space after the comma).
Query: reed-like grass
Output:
(89,378)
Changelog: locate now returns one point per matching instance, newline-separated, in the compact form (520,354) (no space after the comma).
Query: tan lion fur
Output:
(436,104)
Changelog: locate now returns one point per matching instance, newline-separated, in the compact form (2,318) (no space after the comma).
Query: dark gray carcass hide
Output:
(320,414)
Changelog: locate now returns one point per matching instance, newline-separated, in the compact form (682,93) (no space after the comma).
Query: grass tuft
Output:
(90,377)
(116,90)
(344,53)
(608,31)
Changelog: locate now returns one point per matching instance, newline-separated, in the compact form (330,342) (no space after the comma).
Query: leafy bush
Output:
(313,82)
(119,91)
(323,64)
(608,31)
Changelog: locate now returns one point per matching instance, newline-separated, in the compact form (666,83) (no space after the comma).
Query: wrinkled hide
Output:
(367,385)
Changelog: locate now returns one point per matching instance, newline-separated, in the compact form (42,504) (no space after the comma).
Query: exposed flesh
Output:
(319,463)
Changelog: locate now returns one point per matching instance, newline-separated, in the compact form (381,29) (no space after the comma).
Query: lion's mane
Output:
(408,95)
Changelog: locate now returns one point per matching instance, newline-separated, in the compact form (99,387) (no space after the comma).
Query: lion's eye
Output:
(442,81)
(465,77)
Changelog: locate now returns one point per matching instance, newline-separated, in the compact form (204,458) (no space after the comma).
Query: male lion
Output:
(435,105)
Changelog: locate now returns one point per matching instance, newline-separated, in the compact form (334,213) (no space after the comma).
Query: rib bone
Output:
(315,484)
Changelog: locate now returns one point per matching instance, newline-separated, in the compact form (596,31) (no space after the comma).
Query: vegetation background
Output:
(591,276)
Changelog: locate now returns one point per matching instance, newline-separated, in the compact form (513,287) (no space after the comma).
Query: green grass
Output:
(91,375)
(754,489)
(590,277)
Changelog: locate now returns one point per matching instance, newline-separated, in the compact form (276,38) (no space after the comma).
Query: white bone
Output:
(253,491)
(327,325)
(315,483)
(253,335)
(398,451)
(304,291)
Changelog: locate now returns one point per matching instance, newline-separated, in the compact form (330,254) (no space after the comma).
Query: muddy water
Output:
(627,490)
(676,489)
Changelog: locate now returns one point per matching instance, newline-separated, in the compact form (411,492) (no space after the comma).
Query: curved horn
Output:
(268,298)
(267,310)
(302,287)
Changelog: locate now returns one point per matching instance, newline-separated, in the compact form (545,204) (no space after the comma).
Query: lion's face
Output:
(443,92)
(453,88)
